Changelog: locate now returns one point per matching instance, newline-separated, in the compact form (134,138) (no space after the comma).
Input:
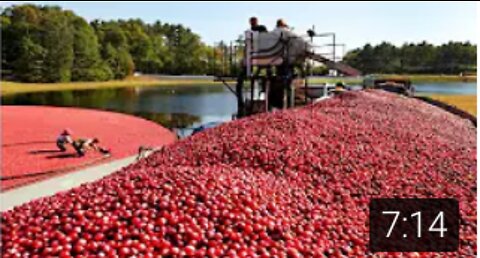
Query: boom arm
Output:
(339,66)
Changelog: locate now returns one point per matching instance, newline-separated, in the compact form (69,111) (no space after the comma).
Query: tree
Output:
(140,45)
(5,24)
(386,58)
(450,58)
(114,49)
(417,58)
(22,49)
(29,64)
(87,63)
(57,40)
(48,44)
(455,57)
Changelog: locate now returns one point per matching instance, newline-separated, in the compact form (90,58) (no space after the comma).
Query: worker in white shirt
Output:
(63,139)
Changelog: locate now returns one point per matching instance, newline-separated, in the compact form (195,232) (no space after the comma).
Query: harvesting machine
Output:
(272,70)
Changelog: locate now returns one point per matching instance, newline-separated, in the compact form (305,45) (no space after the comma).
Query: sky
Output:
(355,23)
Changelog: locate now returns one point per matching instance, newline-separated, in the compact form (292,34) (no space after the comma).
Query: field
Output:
(291,183)
(467,103)
(333,80)
(414,78)
(144,81)
(8,87)
(29,133)
(433,77)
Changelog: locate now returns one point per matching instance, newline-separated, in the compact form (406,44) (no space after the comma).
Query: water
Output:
(175,106)
(457,88)
(171,106)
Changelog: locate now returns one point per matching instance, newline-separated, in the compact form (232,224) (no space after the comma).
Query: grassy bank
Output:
(16,87)
(419,78)
(148,81)
(466,103)
(414,78)
(333,80)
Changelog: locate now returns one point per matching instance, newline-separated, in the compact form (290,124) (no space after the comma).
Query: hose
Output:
(53,171)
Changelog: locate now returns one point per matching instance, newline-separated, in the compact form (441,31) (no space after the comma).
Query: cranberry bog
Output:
(293,183)
(29,152)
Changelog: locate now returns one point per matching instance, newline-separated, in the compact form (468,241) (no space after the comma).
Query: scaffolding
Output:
(270,69)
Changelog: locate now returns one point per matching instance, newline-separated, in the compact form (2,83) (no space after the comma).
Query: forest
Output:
(49,44)
(411,58)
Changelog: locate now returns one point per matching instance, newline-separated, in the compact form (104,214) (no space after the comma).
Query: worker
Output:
(82,145)
(63,139)
(339,88)
(254,26)
(282,25)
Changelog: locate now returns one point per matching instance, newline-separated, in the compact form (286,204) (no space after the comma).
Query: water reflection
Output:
(174,106)
(174,120)
(170,106)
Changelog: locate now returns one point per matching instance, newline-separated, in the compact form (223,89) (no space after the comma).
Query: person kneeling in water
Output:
(82,145)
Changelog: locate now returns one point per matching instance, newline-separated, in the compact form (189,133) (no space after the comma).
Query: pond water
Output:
(171,106)
(175,106)
(462,88)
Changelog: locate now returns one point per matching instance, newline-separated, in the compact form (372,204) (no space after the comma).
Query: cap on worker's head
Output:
(66,131)
(253,19)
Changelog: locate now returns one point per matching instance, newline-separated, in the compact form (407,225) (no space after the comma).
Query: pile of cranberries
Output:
(294,183)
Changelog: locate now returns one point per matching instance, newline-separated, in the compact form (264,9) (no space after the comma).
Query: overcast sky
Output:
(354,23)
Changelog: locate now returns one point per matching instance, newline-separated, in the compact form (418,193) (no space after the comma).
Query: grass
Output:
(333,80)
(8,88)
(466,103)
(150,81)
(418,78)
(415,78)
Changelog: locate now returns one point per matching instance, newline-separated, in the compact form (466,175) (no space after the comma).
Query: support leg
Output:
(240,101)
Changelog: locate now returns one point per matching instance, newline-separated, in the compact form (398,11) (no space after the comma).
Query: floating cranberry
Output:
(294,183)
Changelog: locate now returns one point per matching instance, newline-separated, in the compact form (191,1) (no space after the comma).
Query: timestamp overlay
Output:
(414,225)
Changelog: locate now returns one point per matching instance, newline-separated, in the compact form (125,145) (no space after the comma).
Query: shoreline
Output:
(430,78)
(10,88)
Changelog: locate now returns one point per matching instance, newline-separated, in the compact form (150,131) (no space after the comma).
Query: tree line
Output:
(410,58)
(49,44)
